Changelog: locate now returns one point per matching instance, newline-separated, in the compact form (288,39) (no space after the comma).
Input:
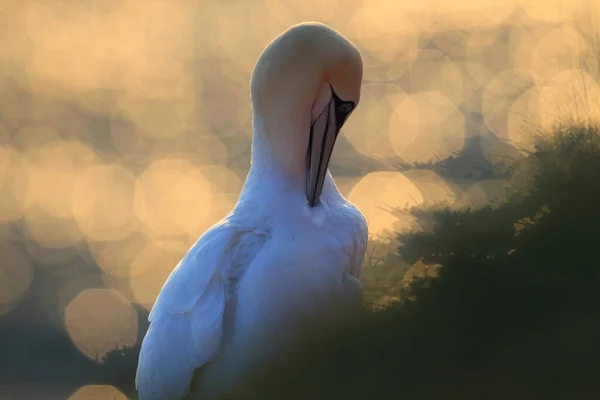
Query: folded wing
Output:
(186,322)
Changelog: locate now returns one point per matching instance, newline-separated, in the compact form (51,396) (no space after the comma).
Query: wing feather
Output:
(186,321)
(189,279)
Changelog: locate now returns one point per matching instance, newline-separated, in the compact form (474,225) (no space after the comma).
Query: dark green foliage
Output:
(514,311)
(118,368)
(382,273)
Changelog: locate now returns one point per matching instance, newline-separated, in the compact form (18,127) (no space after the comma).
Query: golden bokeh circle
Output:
(99,320)
(367,128)
(499,95)
(116,257)
(103,202)
(426,126)
(397,189)
(173,197)
(524,119)
(485,193)
(54,166)
(50,231)
(383,30)
(555,51)
(97,392)
(434,189)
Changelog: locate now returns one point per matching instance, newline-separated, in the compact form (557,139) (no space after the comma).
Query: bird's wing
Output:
(356,245)
(186,321)
(359,244)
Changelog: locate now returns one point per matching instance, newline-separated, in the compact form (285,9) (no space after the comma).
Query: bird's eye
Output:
(345,108)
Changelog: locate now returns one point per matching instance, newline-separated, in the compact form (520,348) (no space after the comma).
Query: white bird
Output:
(288,255)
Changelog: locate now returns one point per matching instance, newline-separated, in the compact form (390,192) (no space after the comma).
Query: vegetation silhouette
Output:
(118,368)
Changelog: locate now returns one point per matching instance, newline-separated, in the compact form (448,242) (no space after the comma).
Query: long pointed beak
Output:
(323,133)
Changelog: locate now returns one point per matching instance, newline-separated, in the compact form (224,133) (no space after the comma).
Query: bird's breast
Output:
(293,279)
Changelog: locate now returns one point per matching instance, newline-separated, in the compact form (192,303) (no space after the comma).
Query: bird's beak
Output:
(323,132)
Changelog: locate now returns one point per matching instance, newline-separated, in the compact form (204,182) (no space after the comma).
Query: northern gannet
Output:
(289,253)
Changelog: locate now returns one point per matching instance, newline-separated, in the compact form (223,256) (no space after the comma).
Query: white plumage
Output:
(289,253)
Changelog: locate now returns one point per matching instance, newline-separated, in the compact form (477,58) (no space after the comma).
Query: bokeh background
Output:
(125,131)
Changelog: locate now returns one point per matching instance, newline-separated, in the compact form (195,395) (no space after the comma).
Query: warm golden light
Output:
(15,173)
(242,46)
(98,392)
(103,202)
(368,130)
(54,166)
(484,193)
(436,72)
(524,119)
(431,127)
(116,257)
(98,320)
(290,12)
(571,95)
(173,197)
(157,259)
(556,51)
(384,30)
(375,189)
(50,231)
(434,189)
(499,96)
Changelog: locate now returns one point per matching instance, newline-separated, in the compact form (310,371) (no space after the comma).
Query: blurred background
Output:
(125,131)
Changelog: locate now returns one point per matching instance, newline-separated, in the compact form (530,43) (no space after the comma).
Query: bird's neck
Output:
(279,147)
(279,162)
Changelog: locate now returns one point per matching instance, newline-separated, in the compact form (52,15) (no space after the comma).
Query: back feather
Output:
(186,322)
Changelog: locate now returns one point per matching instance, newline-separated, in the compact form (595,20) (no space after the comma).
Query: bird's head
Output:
(304,86)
